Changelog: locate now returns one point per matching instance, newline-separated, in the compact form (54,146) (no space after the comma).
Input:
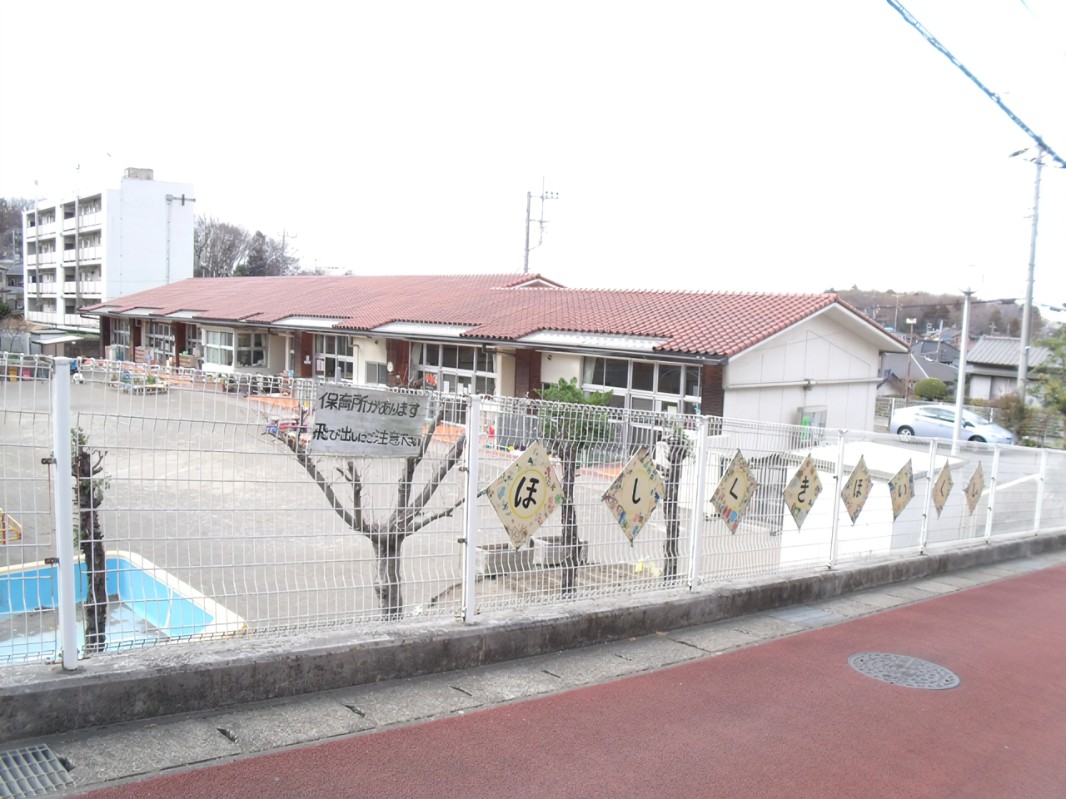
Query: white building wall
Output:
(556,366)
(819,365)
(148,241)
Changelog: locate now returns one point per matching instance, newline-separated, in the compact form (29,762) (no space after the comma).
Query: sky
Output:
(721,145)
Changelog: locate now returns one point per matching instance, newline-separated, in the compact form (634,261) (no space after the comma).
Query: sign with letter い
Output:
(635,493)
(901,487)
(942,489)
(525,494)
(734,492)
(975,487)
(802,490)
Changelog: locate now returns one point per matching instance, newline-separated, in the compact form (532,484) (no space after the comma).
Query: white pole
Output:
(696,531)
(469,571)
(960,383)
(1027,312)
(838,478)
(63,511)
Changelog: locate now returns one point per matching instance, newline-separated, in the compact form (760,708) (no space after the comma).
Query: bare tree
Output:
(90,482)
(410,514)
(218,248)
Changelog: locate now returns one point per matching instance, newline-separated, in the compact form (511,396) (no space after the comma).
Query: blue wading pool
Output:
(147,605)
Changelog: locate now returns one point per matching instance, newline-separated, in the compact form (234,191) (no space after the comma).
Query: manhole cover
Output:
(31,771)
(903,670)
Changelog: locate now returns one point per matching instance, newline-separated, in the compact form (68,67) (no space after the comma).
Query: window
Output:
(455,368)
(161,340)
(376,373)
(218,347)
(335,357)
(645,385)
(251,349)
(120,332)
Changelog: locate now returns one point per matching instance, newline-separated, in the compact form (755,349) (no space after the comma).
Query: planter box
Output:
(549,551)
(494,559)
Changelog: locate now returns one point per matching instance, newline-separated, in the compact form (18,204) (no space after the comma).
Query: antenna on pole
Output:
(544,195)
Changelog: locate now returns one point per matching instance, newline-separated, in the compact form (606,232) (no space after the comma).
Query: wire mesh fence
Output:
(204,507)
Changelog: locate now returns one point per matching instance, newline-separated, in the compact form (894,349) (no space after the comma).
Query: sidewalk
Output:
(777,702)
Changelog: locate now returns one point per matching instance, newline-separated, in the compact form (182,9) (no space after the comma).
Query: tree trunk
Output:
(568,514)
(95,606)
(388,583)
(671,489)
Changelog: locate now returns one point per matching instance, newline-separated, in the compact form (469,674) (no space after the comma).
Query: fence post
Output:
(696,525)
(930,479)
(838,478)
(993,479)
(470,533)
(63,511)
(1040,490)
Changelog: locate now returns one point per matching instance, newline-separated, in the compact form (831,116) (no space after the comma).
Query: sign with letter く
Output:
(734,492)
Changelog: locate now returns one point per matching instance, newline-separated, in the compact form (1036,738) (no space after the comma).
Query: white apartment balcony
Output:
(42,259)
(63,320)
(89,288)
(42,230)
(88,221)
(86,254)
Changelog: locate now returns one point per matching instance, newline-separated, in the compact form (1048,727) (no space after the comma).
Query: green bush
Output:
(930,388)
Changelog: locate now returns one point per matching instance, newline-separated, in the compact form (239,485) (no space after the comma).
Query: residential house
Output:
(898,370)
(992,365)
(794,358)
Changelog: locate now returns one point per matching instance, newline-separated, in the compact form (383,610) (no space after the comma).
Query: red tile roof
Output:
(493,307)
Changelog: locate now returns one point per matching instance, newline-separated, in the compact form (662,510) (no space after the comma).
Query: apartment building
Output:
(88,247)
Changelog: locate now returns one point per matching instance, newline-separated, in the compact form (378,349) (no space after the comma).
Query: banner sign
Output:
(350,420)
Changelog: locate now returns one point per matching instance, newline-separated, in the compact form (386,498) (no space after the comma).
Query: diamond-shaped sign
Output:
(802,490)
(901,488)
(734,492)
(635,493)
(975,487)
(857,490)
(942,488)
(525,495)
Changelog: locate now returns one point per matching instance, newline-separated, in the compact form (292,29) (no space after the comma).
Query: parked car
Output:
(938,421)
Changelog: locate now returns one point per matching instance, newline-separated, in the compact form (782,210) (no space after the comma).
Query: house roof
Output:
(1003,351)
(896,363)
(504,307)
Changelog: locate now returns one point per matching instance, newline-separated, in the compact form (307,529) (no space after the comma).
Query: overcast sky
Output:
(734,145)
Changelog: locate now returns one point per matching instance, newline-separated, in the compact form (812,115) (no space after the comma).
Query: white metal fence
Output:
(213,521)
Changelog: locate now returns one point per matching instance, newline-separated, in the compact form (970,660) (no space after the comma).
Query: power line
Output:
(914,23)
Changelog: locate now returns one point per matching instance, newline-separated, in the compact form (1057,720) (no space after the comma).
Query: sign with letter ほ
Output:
(525,494)
(635,493)
(857,490)
(350,420)
(734,492)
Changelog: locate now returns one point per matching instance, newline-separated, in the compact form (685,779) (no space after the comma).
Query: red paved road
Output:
(789,718)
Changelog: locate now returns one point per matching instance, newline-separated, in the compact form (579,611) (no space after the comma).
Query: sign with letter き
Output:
(351,420)
(525,494)
(802,490)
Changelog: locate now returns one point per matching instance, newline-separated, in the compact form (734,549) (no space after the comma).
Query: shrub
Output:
(930,388)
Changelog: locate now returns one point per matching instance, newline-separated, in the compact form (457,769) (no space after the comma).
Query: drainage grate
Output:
(31,771)
(903,670)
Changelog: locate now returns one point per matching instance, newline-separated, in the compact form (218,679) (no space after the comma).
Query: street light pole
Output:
(910,357)
(960,383)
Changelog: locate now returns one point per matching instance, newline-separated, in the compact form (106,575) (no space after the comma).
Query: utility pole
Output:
(960,383)
(1027,311)
(544,195)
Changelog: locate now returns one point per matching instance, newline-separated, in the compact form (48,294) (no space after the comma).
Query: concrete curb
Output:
(44,700)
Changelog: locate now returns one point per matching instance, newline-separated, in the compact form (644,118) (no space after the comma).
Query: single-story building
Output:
(897,369)
(992,365)
(793,358)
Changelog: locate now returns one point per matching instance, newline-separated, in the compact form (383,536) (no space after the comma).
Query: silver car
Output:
(938,421)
